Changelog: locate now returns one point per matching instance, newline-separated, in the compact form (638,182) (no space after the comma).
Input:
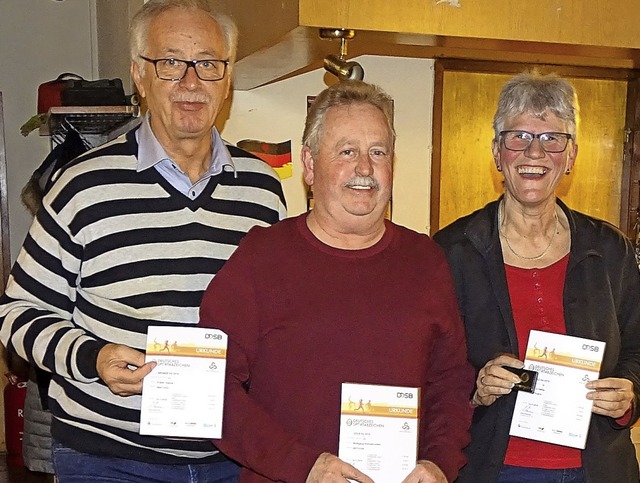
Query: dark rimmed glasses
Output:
(551,142)
(175,69)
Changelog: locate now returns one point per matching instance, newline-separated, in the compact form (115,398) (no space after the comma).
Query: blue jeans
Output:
(519,474)
(74,467)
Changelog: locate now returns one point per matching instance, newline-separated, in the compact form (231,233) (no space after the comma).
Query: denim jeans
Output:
(519,474)
(74,467)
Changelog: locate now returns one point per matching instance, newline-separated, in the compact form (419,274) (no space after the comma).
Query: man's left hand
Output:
(426,472)
(611,396)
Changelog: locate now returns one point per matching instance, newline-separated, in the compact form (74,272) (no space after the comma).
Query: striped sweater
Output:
(112,251)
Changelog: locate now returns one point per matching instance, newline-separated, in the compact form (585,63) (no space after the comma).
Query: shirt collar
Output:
(151,152)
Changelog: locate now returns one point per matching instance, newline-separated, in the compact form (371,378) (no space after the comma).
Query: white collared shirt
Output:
(152,154)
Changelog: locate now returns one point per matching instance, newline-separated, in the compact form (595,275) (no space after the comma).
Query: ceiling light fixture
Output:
(337,65)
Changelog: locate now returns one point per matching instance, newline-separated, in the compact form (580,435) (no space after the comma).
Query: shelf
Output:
(90,120)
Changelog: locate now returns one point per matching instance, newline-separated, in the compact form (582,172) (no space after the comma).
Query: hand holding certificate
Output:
(329,466)
(611,397)
(379,430)
(183,396)
(558,411)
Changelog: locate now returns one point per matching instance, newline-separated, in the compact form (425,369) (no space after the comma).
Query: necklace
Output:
(536,257)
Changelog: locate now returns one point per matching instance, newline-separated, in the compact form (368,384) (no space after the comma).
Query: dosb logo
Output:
(592,348)
(406,395)
(213,336)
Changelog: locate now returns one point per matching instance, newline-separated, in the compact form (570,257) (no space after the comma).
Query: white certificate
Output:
(379,430)
(558,411)
(184,395)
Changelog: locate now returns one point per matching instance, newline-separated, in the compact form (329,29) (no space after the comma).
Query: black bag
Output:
(102,92)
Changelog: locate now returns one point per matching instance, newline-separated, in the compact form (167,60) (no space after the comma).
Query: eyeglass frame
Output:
(566,135)
(189,63)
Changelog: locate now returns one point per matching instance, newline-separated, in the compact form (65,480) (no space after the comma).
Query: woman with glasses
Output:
(528,262)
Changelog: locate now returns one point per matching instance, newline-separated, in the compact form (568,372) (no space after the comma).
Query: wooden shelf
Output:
(90,120)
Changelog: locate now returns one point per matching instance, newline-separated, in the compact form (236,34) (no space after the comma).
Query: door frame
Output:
(5,253)
(630,204)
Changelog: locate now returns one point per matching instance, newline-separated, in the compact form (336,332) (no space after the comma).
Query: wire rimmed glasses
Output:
(172,69)
(551,142)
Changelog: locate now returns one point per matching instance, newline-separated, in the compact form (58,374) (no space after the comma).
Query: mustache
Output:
(363,181)
(189,97)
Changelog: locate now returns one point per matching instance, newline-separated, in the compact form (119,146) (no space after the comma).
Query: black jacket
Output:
(601,301)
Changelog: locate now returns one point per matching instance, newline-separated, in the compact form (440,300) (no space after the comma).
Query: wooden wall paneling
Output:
(593,22)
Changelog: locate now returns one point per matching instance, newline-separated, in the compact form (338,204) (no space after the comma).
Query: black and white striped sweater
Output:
(112,251)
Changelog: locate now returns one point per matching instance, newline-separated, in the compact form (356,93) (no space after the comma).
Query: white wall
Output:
(112,23)
(39,39)
(276,113)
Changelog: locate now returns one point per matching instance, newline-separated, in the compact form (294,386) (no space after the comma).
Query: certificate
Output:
(558,411)
(184,394)
(379,430)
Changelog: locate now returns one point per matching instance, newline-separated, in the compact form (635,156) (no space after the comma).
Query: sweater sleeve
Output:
(37,306)
(447,413)
(249,434)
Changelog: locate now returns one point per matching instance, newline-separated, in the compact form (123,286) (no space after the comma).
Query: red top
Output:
(536,302)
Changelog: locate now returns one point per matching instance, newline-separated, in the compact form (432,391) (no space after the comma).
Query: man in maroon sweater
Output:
(338,295)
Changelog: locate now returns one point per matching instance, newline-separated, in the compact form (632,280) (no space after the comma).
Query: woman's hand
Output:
(494,381)
(611,396)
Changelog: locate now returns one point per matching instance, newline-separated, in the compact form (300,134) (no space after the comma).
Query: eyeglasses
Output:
(551,142)
(176,69)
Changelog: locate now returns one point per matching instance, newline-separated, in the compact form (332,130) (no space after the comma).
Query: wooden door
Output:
(465,178)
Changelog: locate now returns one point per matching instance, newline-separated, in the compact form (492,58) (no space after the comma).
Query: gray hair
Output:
(537,94)
(153,8)
(345,93)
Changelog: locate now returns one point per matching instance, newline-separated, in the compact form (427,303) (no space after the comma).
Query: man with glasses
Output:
(129,236)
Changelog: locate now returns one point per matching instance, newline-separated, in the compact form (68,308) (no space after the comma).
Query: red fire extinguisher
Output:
(14,395)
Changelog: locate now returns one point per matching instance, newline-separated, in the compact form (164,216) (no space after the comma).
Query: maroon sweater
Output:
(303,318)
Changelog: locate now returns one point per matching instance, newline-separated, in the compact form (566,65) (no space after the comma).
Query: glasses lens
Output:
(553,142)
(517,140)
(210,69)
(170,69)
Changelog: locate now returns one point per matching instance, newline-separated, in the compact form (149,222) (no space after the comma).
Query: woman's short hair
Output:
(344,93)
(537,94)
(153,8)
